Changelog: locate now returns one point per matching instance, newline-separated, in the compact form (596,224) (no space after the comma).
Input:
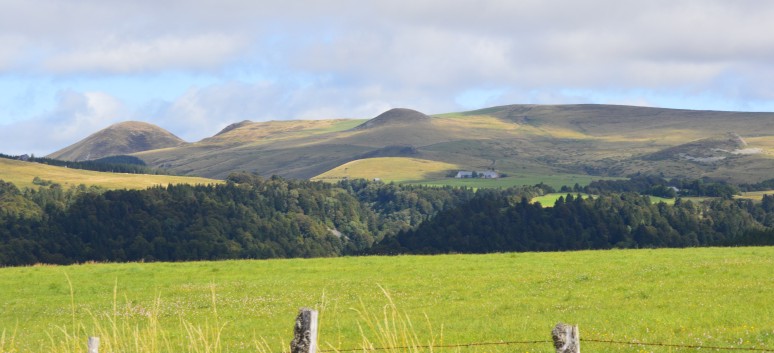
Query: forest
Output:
(248,217)
(494,223)
(251,217)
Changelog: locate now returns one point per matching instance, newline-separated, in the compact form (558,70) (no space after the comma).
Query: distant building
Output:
(485,174)
(488,174)
(24,157)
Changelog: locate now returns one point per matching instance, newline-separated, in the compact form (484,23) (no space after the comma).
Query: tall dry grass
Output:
(119,332)
(389,330)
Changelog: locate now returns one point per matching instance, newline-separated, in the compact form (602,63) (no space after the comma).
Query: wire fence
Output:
(511,343)
(460,345)
(674,345)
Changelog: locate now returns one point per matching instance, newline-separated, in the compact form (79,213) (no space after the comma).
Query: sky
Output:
(71,68)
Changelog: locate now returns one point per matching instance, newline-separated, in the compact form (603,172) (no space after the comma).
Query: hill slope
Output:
(21,174)
(119,139)
(602,140)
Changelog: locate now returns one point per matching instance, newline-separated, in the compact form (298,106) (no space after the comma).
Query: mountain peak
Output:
(395,116)
(118,139)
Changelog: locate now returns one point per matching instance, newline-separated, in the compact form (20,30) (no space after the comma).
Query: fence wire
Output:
(509,343)
(460,345)
(673,345)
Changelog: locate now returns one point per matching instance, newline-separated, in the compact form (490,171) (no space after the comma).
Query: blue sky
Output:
(68,69)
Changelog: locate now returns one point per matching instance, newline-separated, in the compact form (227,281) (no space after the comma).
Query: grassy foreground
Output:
(710,297)
(21,174)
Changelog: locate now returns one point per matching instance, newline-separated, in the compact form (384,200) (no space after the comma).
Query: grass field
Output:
(21,174)
(710,297)
(389,169)
(549,200)
(426,172)
(755,195)
(554,180)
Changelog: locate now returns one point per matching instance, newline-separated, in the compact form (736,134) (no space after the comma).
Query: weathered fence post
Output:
(566,338)
(305,332)
(93,345)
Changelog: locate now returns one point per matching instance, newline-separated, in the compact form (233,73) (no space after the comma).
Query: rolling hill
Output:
(119,139)
(22,173)
(601,140)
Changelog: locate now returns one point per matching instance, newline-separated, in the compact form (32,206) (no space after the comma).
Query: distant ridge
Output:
(119,139)
(396,116)
(599,140)
(234,126)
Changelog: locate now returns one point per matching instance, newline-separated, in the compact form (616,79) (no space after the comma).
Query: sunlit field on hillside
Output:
(21,174)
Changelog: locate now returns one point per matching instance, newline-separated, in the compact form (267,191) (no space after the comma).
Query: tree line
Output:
(492,222)
(250,217)
(658,186)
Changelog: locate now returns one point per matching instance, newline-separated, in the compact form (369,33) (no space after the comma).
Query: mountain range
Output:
(602,140)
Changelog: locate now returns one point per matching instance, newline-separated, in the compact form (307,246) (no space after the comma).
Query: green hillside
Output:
(22,174)
(706,297)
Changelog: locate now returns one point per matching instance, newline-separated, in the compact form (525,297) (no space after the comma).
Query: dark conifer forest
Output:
(251,217)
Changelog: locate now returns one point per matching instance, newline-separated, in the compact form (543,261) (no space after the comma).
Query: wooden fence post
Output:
(566,338)
(305,332)
(93,346)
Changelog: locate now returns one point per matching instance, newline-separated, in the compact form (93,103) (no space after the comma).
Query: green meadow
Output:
(705,296)
(549,200)
(554,180)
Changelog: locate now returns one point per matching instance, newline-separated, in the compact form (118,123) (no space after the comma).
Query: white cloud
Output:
(76,116)
(117,56)
(11,51)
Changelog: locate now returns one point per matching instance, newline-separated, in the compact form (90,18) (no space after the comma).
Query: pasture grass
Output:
(549,200)
(21,174)
(705,296)
(426,172)
(388,169)
(554,180)
(754,195)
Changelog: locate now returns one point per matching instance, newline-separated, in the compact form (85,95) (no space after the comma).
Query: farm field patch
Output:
(554,180)
(22,173)
(755,195)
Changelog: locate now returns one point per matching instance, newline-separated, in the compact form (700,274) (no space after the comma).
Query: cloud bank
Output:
(195,66)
